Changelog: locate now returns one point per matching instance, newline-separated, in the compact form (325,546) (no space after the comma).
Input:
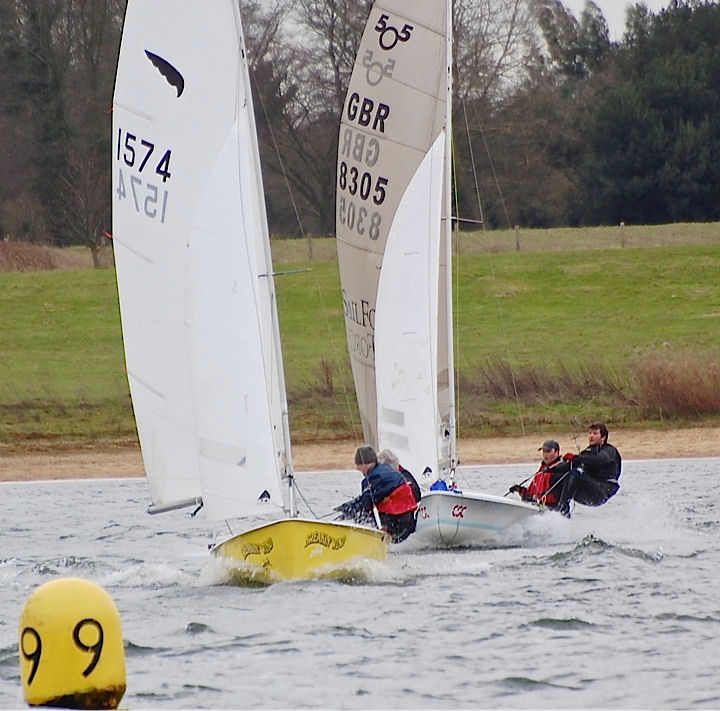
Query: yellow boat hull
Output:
(300,549)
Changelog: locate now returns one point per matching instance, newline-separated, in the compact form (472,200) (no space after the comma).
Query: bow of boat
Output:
(297,549)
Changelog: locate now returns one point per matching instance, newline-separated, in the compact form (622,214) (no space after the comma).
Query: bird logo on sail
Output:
(173,76)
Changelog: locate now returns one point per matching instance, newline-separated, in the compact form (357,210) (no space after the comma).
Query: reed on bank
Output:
(545,337)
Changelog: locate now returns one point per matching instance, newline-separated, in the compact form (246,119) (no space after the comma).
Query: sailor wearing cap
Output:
(589,478)
(541,488)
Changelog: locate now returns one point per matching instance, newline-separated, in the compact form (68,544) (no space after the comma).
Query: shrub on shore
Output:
(671,384)
(29,257)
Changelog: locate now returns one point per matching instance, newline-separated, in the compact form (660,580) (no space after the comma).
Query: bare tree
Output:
(491,46)
(311,68)
(85,207)
(35,48)
(332,36)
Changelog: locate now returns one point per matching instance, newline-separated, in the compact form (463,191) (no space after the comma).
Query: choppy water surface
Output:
(618,607)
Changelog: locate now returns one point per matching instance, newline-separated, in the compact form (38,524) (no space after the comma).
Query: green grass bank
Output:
(554,328)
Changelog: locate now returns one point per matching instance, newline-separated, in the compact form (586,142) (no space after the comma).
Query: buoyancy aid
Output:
(539,486)
(398,502)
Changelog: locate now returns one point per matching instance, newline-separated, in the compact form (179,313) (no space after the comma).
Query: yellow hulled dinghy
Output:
(298,548)
(197,295)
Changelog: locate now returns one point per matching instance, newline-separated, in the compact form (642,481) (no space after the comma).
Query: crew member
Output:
(544,485)
(389,457)
(594,473)
(383,490)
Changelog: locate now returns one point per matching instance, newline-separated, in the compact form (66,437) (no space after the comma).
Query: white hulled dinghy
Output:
(395,257)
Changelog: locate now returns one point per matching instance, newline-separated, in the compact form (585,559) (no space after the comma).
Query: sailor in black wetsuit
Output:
(594,475)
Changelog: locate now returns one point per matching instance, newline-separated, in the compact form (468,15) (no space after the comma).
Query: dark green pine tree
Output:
(653,137)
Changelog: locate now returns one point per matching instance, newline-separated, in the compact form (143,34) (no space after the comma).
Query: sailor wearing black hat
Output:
(385,491)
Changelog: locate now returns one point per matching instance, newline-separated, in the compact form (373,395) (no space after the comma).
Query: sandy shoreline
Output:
(127,462)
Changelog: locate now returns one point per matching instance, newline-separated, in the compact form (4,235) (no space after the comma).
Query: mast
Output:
(448,236)
(286,459)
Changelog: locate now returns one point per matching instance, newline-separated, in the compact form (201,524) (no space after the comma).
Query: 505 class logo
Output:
(389,35)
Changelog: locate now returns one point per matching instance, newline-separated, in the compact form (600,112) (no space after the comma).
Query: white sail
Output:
(391,207)
(396,135)
(192,255)
(406,335)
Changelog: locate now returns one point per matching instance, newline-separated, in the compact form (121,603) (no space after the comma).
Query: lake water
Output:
(616,608)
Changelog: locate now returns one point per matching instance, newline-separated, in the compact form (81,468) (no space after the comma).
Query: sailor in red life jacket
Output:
(385,489)
(542,487)
(389,457)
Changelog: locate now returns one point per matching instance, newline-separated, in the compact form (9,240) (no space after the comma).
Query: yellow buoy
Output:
(71,647)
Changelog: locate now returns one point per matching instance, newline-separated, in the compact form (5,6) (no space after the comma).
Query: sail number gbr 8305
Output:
(360,189)
(141,165)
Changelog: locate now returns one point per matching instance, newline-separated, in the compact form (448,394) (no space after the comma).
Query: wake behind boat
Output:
(394,252)
(197,296)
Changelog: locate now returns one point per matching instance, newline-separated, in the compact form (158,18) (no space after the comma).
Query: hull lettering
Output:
(458,511)
(323,539)
(263,548)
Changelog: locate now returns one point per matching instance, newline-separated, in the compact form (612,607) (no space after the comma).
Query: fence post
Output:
(517,238)
(622,234)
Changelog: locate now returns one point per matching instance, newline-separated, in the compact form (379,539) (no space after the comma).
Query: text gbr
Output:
(367,113)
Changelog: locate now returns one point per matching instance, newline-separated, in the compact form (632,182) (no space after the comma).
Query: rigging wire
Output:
(473,166)
(340,366)
(568,417)
(305,501)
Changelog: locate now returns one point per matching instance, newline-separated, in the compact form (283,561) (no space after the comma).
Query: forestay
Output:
(391,209)
(193,265)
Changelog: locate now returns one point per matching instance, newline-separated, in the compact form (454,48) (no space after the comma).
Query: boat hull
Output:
(451,519)
(297,549)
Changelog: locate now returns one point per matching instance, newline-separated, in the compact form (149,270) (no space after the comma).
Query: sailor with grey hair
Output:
(389,457)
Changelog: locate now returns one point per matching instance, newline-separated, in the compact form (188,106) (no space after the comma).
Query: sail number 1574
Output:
(135,156)
(136,152)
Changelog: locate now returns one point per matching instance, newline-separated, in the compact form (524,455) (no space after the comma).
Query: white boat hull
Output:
(451,519)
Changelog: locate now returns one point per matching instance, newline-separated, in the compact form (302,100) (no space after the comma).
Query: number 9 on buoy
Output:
(71,647)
